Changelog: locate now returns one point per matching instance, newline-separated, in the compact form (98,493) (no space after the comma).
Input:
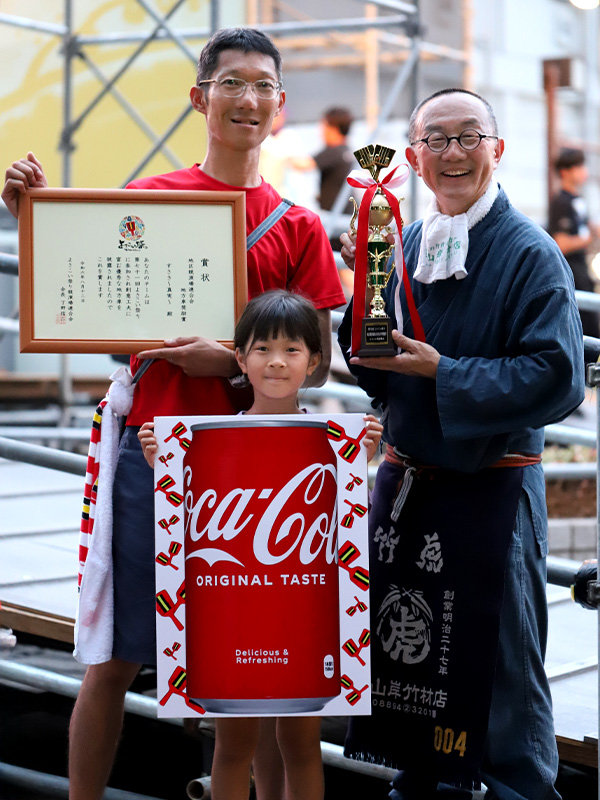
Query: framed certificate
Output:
(120,270)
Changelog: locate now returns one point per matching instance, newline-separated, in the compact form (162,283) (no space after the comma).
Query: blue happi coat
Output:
(511,344)
(510,340)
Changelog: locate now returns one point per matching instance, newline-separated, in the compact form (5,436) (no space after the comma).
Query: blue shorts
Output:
(133,554)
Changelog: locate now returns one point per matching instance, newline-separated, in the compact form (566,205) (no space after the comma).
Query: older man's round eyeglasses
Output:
(236,87)
(469,139)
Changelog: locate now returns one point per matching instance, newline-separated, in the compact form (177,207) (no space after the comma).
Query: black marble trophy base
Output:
(376,338)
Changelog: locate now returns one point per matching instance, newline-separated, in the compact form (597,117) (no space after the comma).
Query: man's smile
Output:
(455,173)
(242,121)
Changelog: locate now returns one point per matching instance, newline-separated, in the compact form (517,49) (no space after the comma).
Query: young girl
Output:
(277,345)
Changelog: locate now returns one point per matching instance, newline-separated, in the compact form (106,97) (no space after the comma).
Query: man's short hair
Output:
(569,157)
(412,124)
(340,118)
(247,40)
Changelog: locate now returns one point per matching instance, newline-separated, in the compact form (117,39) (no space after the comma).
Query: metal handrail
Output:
(55,785)
(43,456)
(147,707)
(560,571)
(9,264)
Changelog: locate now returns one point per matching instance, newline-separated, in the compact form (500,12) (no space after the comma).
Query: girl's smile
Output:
(277,367)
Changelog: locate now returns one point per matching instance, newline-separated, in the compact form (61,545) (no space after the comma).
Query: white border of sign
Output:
(355,696)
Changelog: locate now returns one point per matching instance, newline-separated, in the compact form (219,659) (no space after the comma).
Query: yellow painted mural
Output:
(115,137)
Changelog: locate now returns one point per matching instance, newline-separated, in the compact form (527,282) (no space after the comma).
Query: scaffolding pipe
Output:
(67,686)
(45,433)
(275,29)
(147,39)
(132,111)
(32,25)
(8,325)
(55,785)
(148,157)
(587,301)
(9,264)
(568,434)
(43,456)
(147,707)
(561,571)
(173,35)
(395,5)
(67,147)
(401,78)
(215,14)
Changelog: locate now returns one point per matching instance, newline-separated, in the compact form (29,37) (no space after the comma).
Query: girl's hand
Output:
(372,437)
(148,442)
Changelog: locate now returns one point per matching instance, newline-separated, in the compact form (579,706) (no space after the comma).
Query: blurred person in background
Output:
(570,227)
(336,159)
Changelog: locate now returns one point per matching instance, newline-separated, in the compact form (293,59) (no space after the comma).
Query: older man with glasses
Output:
(461,490)
(239,91)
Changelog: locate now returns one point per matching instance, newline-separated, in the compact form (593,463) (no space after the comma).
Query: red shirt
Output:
(294,254)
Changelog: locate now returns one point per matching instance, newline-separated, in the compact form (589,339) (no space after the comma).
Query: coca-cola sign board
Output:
(261,539)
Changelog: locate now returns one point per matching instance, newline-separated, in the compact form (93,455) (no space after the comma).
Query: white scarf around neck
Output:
(445,240)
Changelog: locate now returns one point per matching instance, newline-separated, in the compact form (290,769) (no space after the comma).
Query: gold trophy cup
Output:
(376,335)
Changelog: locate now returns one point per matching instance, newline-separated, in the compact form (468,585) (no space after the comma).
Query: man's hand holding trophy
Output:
(375,256)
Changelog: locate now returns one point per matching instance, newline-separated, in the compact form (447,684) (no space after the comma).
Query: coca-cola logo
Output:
(298,519)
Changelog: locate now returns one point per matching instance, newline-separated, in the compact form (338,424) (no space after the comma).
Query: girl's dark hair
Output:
(276,312)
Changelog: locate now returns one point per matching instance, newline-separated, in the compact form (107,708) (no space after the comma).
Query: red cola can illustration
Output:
(261,573)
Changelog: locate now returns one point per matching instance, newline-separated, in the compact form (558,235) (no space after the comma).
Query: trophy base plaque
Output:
(376,338)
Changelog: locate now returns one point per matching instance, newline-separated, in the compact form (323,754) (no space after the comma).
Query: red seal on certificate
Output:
(131,228)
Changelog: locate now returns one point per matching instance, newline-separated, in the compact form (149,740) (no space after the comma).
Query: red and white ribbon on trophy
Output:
(390,181)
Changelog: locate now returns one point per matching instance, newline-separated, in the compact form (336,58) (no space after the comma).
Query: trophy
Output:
(376,335)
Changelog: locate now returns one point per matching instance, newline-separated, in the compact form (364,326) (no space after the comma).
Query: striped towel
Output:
(90,490)
(94,621)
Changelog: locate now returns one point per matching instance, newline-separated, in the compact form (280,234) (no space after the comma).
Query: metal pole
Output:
(414,100)
(66,686)
(66,145)
(43,456)
(131,110)
(214,15)
(406,70)
(31,24)
(598,561)
(590,109)
(592,375)
(55,785)
(108,85)
(9,264)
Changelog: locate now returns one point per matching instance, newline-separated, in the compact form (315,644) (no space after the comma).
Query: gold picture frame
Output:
(121,270)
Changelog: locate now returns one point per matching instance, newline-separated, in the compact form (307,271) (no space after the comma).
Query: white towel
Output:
(445,240)
(94,622)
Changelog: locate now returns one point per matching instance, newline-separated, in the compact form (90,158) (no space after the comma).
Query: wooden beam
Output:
(32,388)
(37,623)
(575,752)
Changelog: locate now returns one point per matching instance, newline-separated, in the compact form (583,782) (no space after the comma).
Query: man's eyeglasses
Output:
(235,87)
(469,140)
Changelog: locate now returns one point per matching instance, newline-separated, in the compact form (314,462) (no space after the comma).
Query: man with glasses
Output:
(461,489)
(239,91)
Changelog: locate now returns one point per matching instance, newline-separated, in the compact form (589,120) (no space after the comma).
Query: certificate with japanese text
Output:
(119,271)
